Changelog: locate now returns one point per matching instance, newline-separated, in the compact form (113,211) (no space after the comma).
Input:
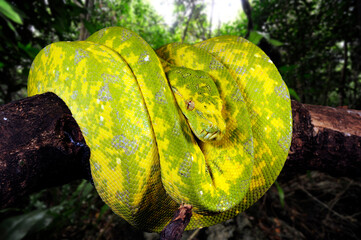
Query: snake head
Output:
(199,100)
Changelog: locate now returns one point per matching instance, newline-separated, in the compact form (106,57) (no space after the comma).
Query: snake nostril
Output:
(190,105)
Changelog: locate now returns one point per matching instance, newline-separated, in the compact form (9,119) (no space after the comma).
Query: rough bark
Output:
(180,220)
(325,139)
(41,146)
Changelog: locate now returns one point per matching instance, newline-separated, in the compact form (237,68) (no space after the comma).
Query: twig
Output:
(188,21)
(346,218)
(337,197)
(180,220)
(194,234)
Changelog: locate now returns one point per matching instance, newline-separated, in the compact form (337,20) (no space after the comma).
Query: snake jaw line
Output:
(210,136)
(206,136)
(175,91)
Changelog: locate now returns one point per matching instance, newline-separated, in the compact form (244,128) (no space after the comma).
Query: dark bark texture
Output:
(180,220)
(325,139)
(41,145)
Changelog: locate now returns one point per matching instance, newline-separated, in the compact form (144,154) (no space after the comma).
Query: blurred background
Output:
(315,44)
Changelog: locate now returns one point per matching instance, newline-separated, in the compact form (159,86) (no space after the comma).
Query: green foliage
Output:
(191,23)
(321,43)
(37,24)
(237,27)
(256,36)
(28,49)
(281,194)
(71,205)
(136,15)
(316,43)
(8,12)
(18,227)
(293,94)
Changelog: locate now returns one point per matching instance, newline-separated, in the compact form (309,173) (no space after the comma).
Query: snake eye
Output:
(190,105)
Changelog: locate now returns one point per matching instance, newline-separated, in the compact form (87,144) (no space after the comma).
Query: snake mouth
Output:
(209,136)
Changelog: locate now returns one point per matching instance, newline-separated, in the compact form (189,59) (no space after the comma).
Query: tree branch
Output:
(248,11)
(210,21)
(180,220)
(325,139)
(42,146)
(188,21)
(84,33)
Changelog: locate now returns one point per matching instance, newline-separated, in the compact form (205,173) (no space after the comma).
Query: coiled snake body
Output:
(207,124)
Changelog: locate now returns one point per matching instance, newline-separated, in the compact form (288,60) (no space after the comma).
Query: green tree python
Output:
(207,124)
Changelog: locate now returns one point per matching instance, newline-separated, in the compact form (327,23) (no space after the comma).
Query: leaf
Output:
(10,25)
(103,210)
(275,42)
(91,27)
(281,194)
(31,51)
(255,37)
(293,94)
(7,10)
(17,227)
(287,68)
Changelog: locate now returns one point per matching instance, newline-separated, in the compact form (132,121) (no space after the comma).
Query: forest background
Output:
(315,44)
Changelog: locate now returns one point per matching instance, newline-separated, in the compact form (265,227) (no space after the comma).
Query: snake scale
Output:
(207,124)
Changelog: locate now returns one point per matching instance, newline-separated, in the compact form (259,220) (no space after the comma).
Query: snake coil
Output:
(146,156)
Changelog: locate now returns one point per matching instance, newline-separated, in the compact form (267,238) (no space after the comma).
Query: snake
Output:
(207,124)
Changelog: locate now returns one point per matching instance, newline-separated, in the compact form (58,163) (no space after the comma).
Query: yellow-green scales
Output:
(146,158)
